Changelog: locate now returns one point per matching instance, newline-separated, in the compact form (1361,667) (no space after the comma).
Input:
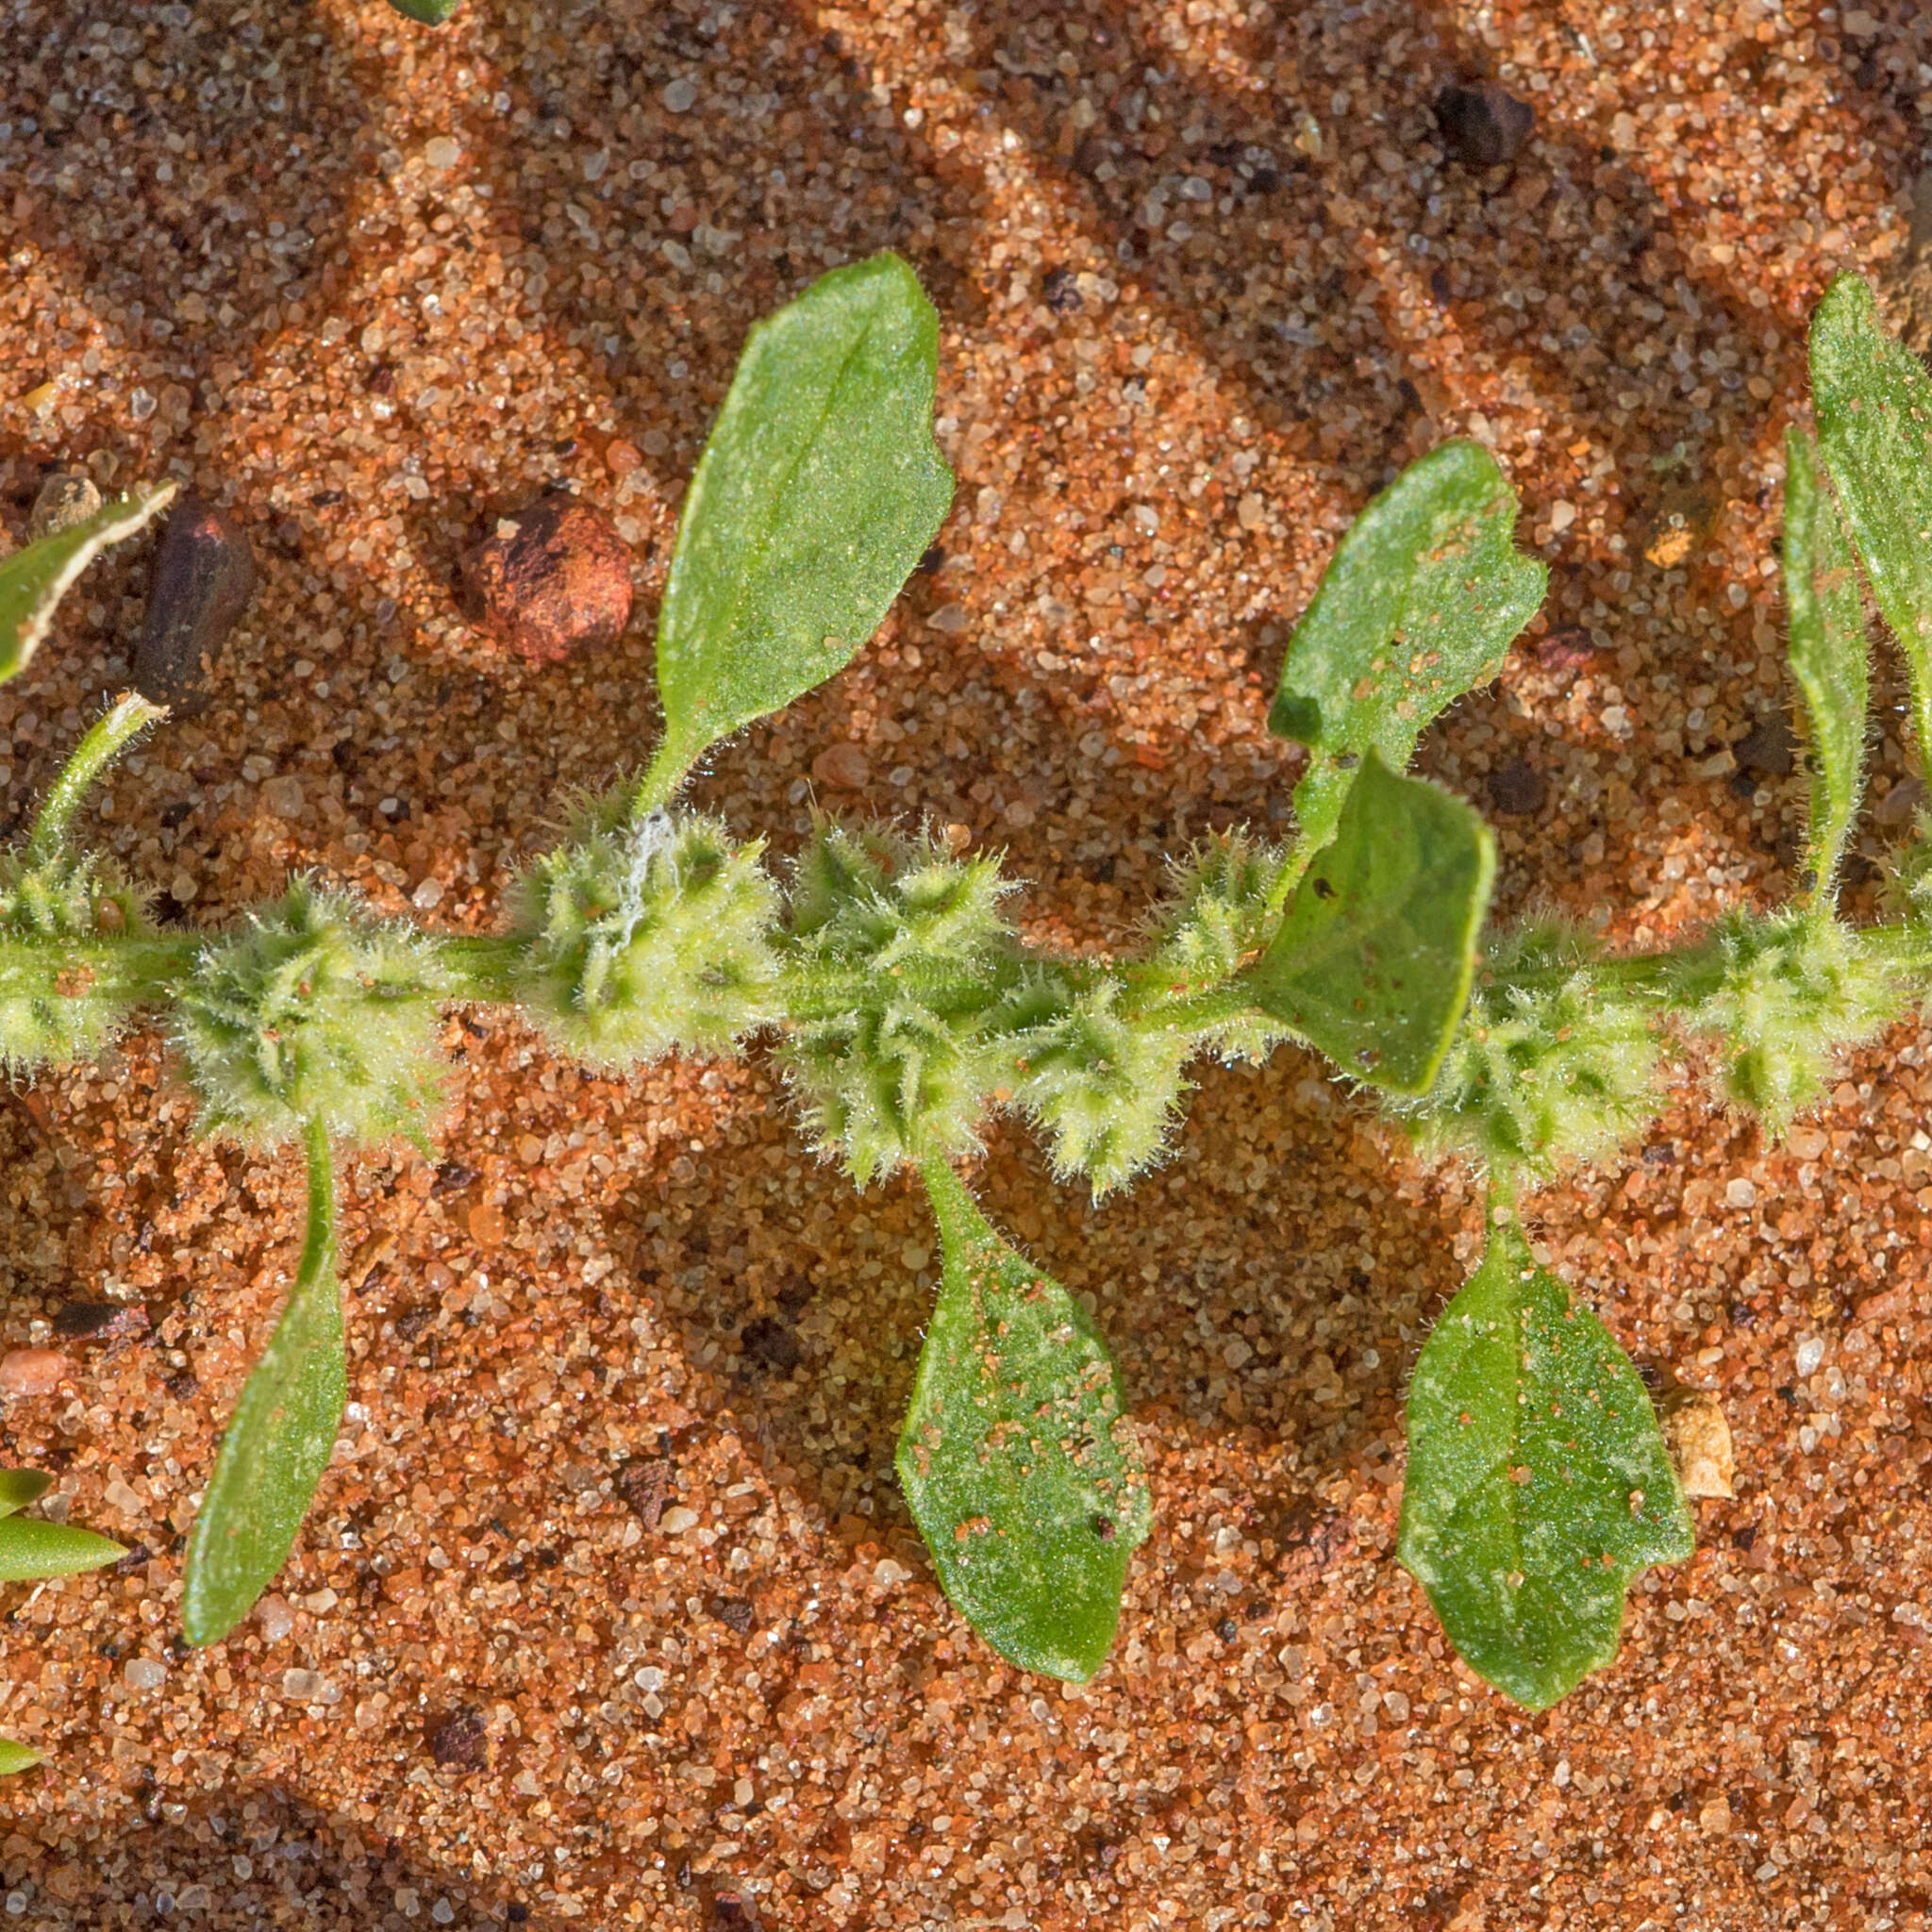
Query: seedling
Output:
(31,1549)
(906,1009)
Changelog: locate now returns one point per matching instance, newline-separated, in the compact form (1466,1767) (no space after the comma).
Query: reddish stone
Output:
(32,1371)
(843,766)
(552,580)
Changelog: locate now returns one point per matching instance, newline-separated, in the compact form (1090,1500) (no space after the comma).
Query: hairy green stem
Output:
(130,716)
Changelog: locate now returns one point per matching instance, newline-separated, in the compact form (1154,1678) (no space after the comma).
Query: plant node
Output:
(1782,992)
(646,933)
(51,1006)
(1551,1065)
(313,1011)
(902,962)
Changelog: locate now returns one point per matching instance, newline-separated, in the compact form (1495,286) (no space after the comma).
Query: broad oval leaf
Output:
(1538,1483)
(278,1441)
(1873,403)
(16,1757)
(817,493)
(1417,605)
(1828,653)
(19,1487)
(1017,1459)
(34,580)
(1373,961)
(31,1548)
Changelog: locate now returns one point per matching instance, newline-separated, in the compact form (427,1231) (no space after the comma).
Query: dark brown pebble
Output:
(91,1321)
(771,1342)
(204,576)
(735,1612)
(1483,126)
(553,580)
(644,1483)
(1517,788)
(458,1742)
(1768,750)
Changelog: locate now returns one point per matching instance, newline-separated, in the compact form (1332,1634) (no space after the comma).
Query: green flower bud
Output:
(1550,1065)
(51,1007)
(903,961)
(313,1011)
(645,934)
(1782,992)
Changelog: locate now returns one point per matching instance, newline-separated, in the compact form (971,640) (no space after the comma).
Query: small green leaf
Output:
(430,12)
(280,1439)
(1537,1485)
(19,1487)
(1017,1459)
(16,1757)
(31,1547)
(1873,402)
(34,580)
(1417,605)
(1373,961)
(1828,653)
(818,492)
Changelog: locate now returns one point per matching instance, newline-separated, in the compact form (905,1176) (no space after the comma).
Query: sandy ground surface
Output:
(609,1611)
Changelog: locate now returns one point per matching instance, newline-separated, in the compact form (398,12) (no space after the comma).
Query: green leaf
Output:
(1828,654)
(31,1547)
(34,580)
(430,12)
(19,1487)
(1537,1485)
(16,1757)
(818,492)
(280,1438)
(1373,961)
(1016,1457)
(1873,403)
(1417,605)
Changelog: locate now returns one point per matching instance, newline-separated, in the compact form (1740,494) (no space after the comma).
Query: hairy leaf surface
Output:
(33,580)
(1827,652)
(1018,1462)
(817,493)
(1538,1483)
(1873,403)
(1417,605)
(280,1439)
(16,1757)
(1373,961)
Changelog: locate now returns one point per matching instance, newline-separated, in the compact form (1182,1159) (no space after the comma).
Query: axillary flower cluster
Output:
(881,969)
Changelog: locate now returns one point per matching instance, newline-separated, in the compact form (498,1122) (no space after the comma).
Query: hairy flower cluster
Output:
(1782,992)
(1103,1088)
(50,1007)
(902,965)
(1101,1068)
(1551,1065)
(313,1010)
(645,934)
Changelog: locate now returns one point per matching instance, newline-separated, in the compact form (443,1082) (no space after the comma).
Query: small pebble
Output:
(442,152)
(675,1522)
(66,498)
(32,1371)
(680,96)
(459,1741)
(204,577)
(275,1616)
(1517,788)
(1700,1439)
(143,1674)
(1483,126)
(843,766)
(552,581)
(99,1321)
(1810,1353)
